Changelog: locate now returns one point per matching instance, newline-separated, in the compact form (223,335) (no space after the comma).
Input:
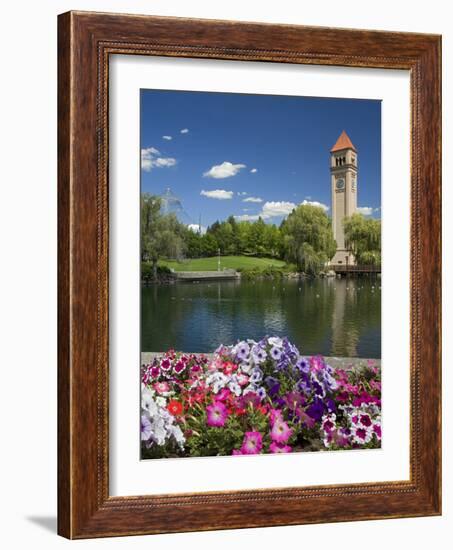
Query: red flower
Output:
(174,407)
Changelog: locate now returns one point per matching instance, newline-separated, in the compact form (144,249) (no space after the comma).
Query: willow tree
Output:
(308,239)
(363,237)
(162,235)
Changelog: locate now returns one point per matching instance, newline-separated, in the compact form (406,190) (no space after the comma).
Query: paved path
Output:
(205,275)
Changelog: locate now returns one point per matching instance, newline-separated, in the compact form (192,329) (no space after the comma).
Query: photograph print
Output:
(260,220)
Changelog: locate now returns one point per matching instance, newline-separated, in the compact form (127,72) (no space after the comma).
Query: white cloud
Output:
(274,209)
(254,170)
(184,131)
(315,203)
(242,193)
(252,199)
(168,138)
(224,170)
(195,227)
(219,194)
(365,210)
(247,217)
(152,158)
(162,162)
(270,209)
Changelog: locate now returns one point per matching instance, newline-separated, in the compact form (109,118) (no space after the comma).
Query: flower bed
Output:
(256,397)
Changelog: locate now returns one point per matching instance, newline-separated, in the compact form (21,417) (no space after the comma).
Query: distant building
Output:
(343,169)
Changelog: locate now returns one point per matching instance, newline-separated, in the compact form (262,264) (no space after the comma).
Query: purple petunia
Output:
(145,428)
(302,365)
(242,351)
(257,376)
(316,409)
(258,354)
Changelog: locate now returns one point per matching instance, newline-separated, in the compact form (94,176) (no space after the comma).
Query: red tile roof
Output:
(343,142)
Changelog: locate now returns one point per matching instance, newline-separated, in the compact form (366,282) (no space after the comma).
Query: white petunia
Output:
(246,367)
(217,381)
(159,433)
(235,388)
(176,432)
(251,388)
(148,403)
(275,341)
(161,402)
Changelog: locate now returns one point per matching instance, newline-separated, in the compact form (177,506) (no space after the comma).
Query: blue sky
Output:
(250,155)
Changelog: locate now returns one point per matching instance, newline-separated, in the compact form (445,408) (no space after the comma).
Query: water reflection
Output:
(330,316)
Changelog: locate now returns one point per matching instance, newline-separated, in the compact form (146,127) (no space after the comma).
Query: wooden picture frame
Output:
(85,41)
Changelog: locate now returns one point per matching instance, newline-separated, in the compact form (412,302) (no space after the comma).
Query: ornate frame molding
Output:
(86,40)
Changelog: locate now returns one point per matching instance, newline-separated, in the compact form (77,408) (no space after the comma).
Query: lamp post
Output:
(218,260)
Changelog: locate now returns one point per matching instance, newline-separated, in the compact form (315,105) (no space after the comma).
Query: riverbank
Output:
(243,268)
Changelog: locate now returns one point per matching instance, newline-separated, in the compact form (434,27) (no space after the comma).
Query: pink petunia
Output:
(361,435)
(365,420)
(154,371)
(252,444)
(281,432)
(275,415)
(274,447)
(195,369)
(179,366)
(161,387)
(242,379)
(328,422)
(223,394)
(165,364)
(316,363)
(377,430)
(216,415)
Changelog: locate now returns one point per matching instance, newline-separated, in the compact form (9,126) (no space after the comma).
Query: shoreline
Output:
(232,275)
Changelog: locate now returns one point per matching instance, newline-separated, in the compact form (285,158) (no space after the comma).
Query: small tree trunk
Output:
(154,270)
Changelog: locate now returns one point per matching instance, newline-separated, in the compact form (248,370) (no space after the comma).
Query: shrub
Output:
(163,272)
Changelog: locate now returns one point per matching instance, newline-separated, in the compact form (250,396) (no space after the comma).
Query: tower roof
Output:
(343,142)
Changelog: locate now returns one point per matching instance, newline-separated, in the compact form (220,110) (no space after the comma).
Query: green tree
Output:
(209,245)
(244,229)
(307,238)
(272,241)
(363,237)
(162,236)
(193,243)
(257,237)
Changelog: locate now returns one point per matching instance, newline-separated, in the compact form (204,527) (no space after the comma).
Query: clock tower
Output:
(343,170)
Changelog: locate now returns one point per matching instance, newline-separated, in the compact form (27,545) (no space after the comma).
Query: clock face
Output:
(340,183)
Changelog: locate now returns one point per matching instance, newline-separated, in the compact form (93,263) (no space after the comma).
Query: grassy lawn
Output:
(228,262)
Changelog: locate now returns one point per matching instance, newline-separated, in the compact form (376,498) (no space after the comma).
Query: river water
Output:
(333,317)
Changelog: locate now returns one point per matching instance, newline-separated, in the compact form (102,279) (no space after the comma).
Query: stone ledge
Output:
(335,362)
